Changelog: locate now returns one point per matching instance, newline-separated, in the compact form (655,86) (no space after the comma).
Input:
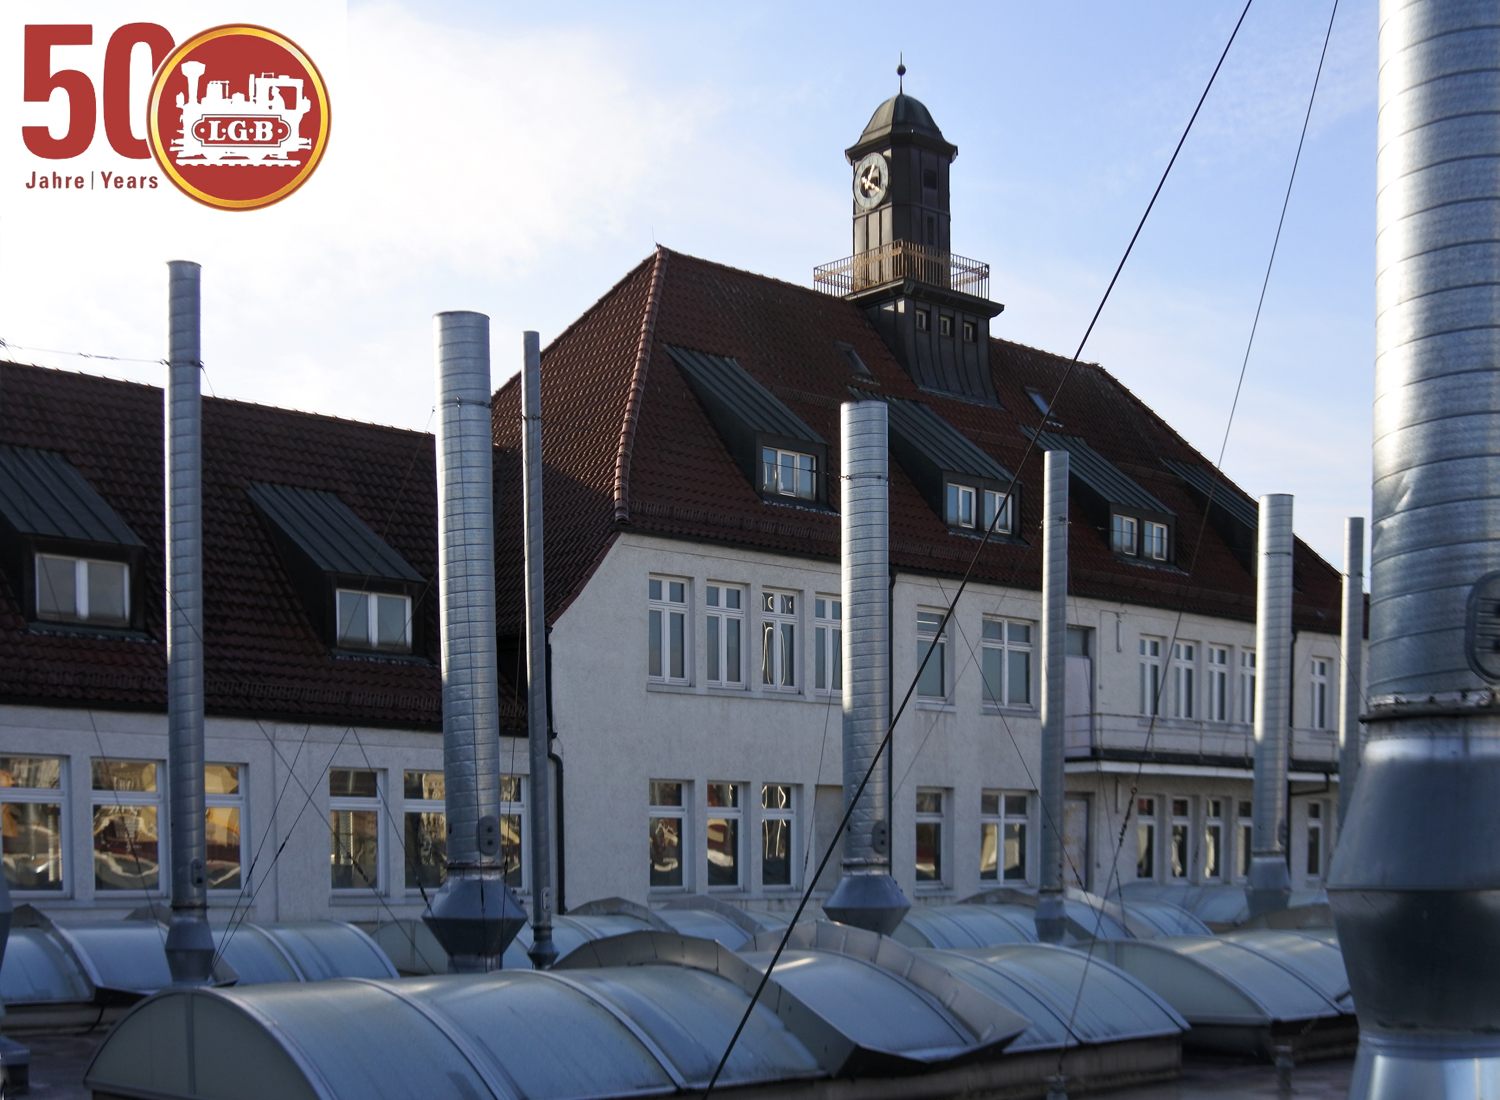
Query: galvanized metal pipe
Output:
(1351,666)
(189,945)
(1415,882)
(1051,922)
(542,951)
(1270,880)
(866,896)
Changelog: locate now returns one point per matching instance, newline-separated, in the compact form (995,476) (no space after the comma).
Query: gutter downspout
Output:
(1051,921)
(1270,885)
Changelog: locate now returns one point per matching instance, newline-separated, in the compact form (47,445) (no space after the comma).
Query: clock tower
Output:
(931,306)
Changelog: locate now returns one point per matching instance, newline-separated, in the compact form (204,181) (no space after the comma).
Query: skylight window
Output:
(1039,401)
(788,474)
(856,364)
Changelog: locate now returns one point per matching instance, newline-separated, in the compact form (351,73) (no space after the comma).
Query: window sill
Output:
(357,897)
(671,689)
(937,705)
(1016,711)
(87,630)
(724,689)
(379,657)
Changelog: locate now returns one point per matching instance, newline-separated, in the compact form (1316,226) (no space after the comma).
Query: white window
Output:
(1145,838)
(1122,535)
(1321,716)
(788,474)
(1247,685)
(930,819)
(725,629)
(31,808)
(723,835)
(778,835)
(1247,834)
(1150,701)
(425,835)
(1154,545)
(932,681)
(374,620)
(828,644)
(1002,842)
(666,638)
(224,788)
(997,504)
(961,502)
(1314,840)
(924,320)
(971,332)
(128,816)
(971,507)
(1216,699)
(1182,831)
(354,828)
(82,590)
(1213,838)
(945,325)
(778,640)
(1006,646)
(1184,680)
(667,821)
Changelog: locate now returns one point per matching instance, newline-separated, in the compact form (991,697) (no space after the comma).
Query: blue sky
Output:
(519,158)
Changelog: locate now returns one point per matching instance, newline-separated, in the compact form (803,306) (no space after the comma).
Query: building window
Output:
(723,831)
(931,224)
(667,630)
(667,816)
(945,325)
(788,474)
(1184,679)
(1320,713)
(1247,834)
(971,332)
(778,640)
(1216,702)
(513,858)
(924,320)
(997,511)
(961,501)
(828,644)
(127,834)
(1155,542)
(1213,838)
(1006,662)
(1039,401)
(725,626)
(777,832)
(354,828)
(1182,830)
(374,620)
(1314,839)
(1002,842)
(31,817)
(856,364)
(1150,677)
(1247,686)
(426,829)
(964,504)
(932,681)
(929,178)
(929,836)
(224,788)
(82,590)
(1145,838)
(1122,535)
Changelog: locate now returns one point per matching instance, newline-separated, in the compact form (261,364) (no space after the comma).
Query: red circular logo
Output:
(238,117)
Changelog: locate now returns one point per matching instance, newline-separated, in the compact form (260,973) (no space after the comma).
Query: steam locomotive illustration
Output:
(261,129)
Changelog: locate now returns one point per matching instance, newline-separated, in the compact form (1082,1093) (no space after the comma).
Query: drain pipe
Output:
(543,953)
(1051,922)
(1270,885)
(1351,649)
(474,915)
(866,896)
(189,946)
(1415,880)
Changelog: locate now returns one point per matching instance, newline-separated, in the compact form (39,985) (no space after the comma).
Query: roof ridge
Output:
(637,388)
(588,314)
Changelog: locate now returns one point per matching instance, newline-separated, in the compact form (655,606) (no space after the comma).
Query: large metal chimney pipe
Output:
(1352,650)
(474,915)
(1051,922)
(1270,879)
(866,896)
(1415,881)
(543,953)
(189,946)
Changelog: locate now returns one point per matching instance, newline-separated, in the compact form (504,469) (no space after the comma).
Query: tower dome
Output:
(902,117)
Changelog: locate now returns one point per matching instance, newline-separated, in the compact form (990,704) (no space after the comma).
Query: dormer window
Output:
(945,326)
(82,590)
(374,620)
(975,508)
(1123,534)
(960,505)
(1155,543)
(971,332)
(924,320)
(788,474)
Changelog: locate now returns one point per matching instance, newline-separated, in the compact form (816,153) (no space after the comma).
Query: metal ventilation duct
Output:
(189,946)
(1415,883)
(1270,881)
(474,915)
(866,896)
(1351,667)
(1051,921)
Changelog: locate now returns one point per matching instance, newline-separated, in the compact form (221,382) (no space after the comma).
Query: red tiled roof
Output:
(611,390)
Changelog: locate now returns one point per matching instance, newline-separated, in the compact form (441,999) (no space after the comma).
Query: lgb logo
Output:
(237,116)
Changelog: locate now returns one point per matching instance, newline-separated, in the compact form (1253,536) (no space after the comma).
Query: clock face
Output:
(871,178)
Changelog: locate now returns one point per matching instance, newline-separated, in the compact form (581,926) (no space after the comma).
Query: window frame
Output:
(1246,687)
(1185,680)
(1316,849)
(238,801)
(1005,646)
(771,489)
(1152,677)
(986,498)
(1124,529)
(775,620)
(1156,540)
(1244,830)
(1180,839)
(82,558)
(359,804)
(971,332)
(1146,823)
(1216,684)
(47,796)
(789,815)
(667,608)
(997,817)
(934,638)
(1212,839)
(106,797)
(945,325)
(718,615)
(828,645)
(733,815)
(939,818)
(682,814)
(372,596)
(1319,681)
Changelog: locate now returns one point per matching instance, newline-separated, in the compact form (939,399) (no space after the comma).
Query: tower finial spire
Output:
(901,73)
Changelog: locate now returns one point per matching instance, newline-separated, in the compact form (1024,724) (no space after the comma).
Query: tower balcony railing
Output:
(903,260)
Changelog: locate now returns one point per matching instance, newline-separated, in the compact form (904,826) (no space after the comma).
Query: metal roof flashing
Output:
(1098,473)
(329,533)
(43,496)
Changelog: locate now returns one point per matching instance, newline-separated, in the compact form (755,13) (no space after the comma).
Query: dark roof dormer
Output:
(784,459)
(1236,519)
